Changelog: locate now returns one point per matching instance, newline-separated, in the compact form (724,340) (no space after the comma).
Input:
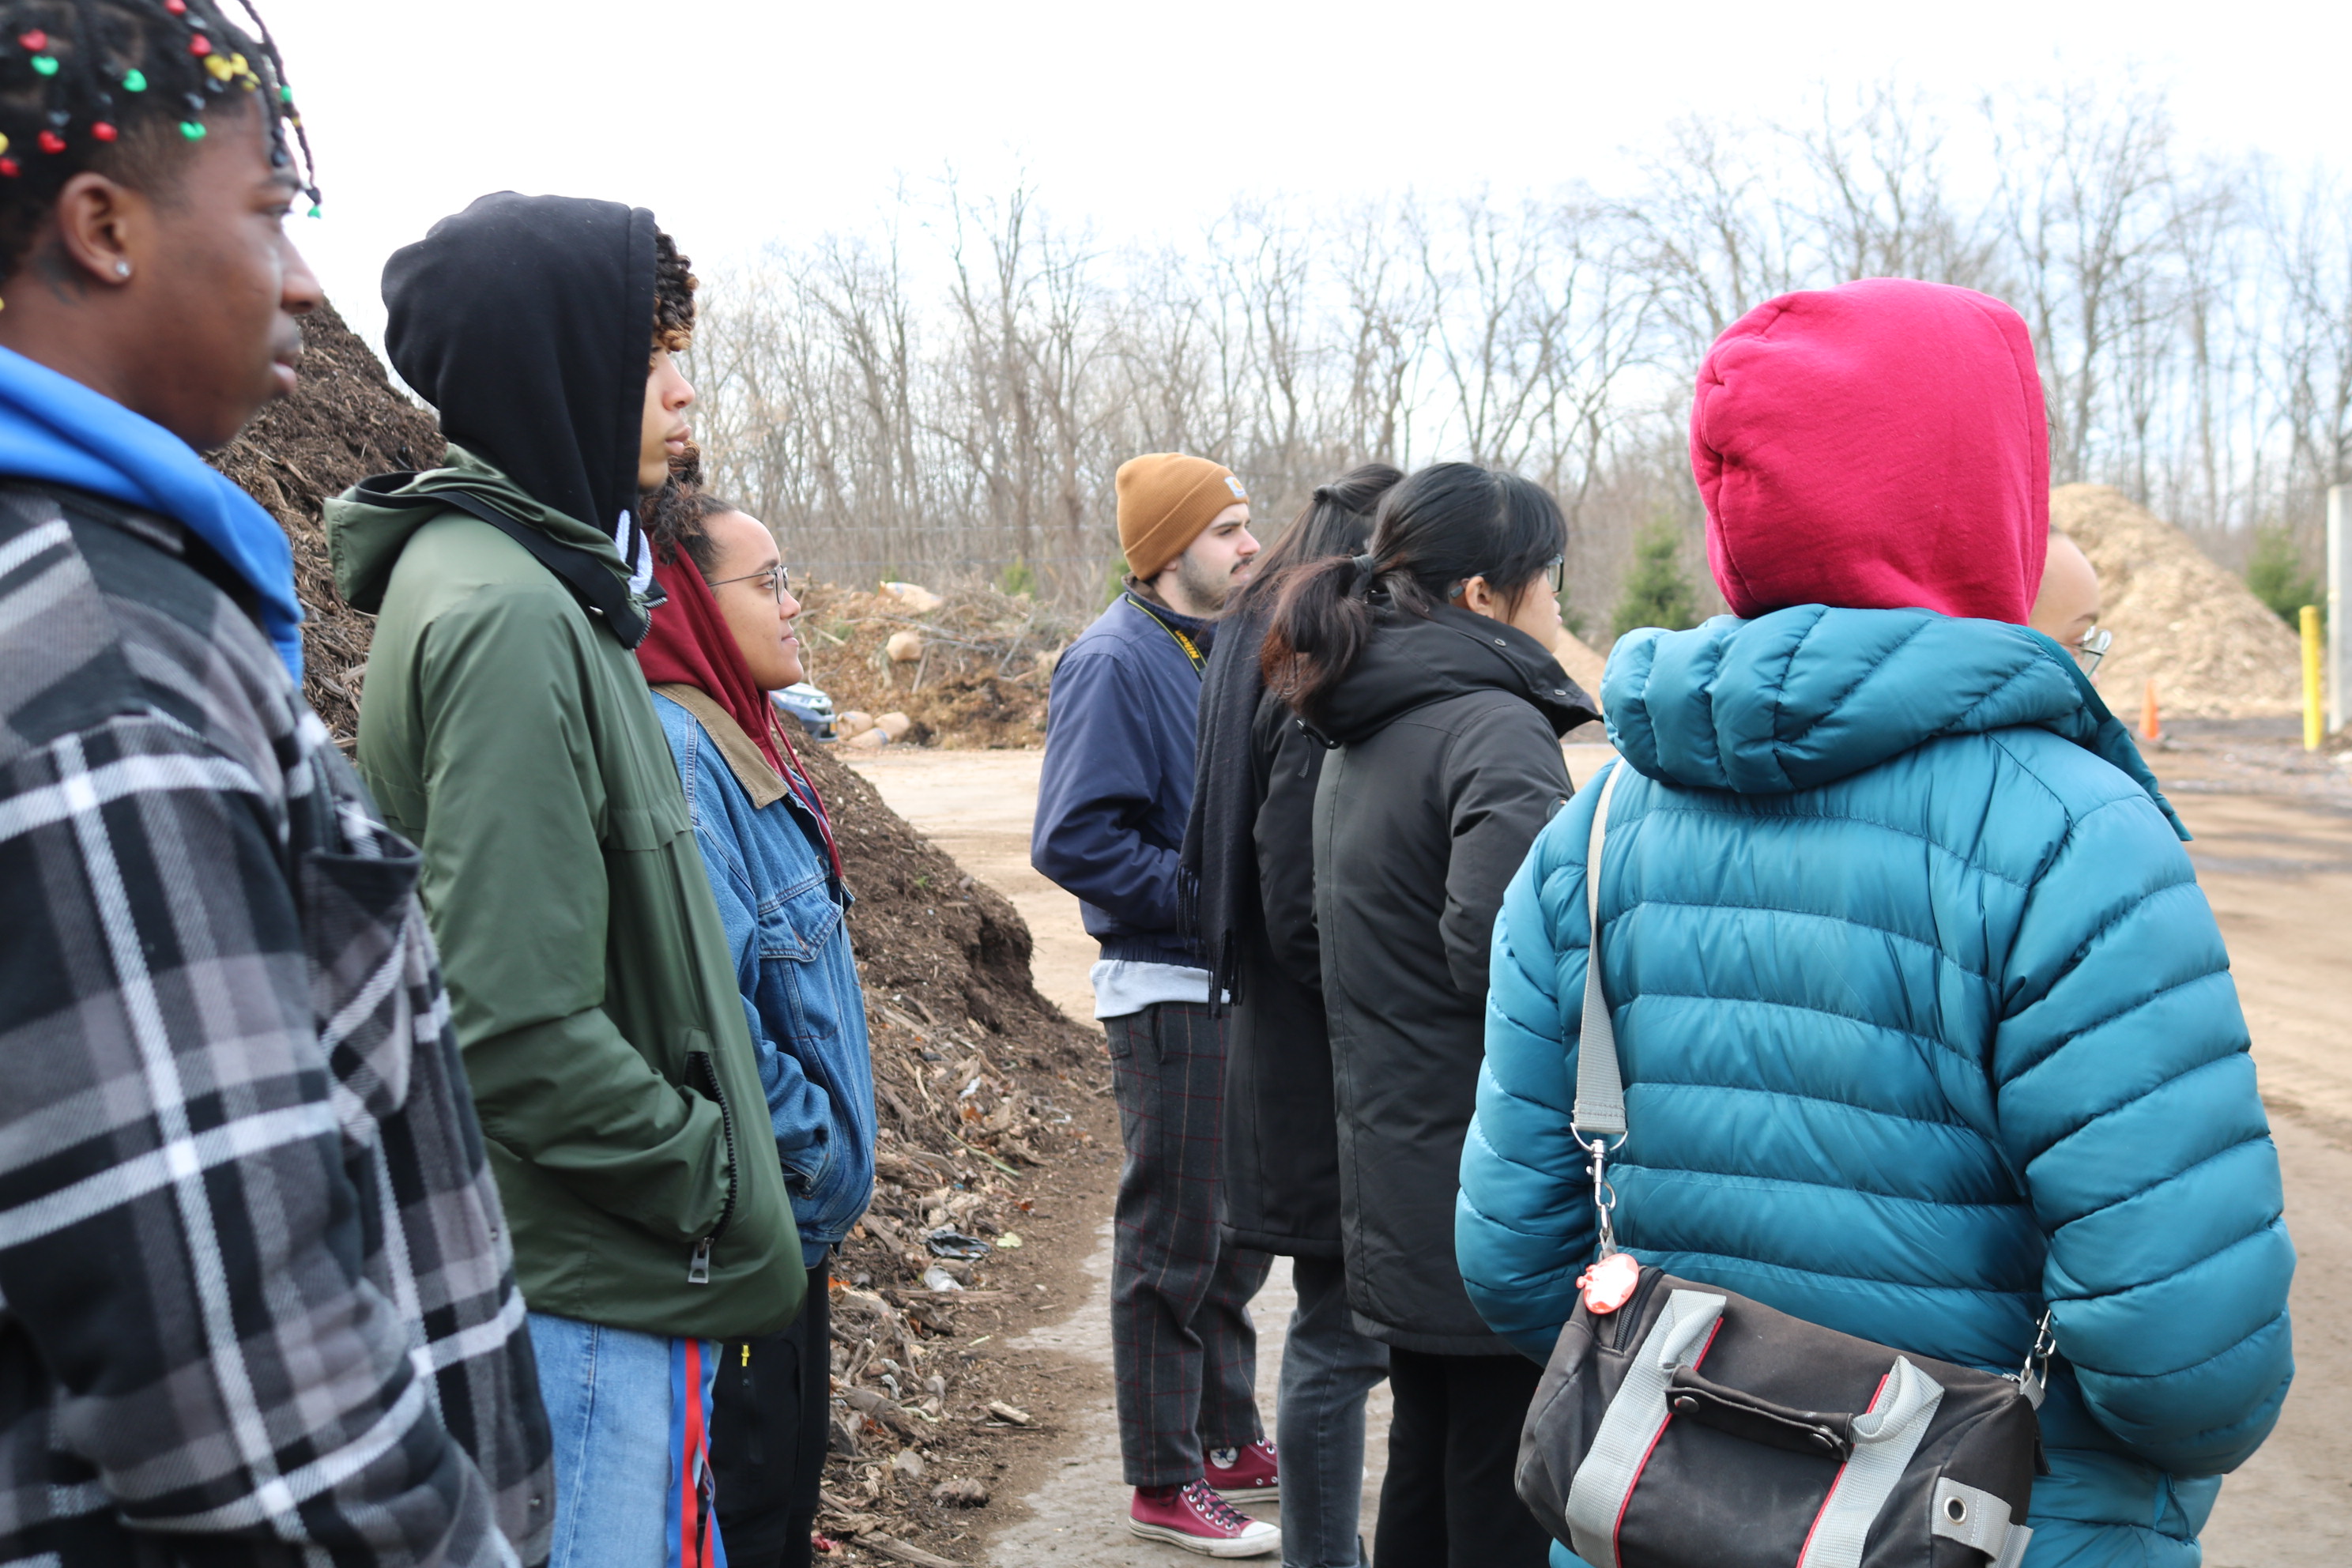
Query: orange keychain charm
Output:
(1609,1284)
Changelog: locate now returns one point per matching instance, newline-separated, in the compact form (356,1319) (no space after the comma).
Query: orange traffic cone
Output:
(2151,728)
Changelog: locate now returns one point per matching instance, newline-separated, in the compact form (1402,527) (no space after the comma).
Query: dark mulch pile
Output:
(940,943)
(344,422)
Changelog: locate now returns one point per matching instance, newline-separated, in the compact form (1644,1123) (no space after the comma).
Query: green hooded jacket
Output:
(513,738)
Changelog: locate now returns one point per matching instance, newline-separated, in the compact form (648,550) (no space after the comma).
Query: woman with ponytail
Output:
(1425,663)
(721,642)
(1249,845)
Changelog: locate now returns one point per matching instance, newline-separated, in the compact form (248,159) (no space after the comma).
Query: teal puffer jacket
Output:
(1925,1023)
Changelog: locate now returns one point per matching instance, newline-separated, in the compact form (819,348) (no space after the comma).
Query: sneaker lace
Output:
(1215,1508)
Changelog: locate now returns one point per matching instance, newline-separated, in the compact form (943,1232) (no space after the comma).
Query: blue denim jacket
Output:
(765,857)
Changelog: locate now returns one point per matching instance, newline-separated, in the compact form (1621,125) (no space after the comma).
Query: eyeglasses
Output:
(1554,571)
(2093,648)
(778,578)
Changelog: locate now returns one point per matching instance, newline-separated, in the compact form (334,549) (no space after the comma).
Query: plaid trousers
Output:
(1182,1346)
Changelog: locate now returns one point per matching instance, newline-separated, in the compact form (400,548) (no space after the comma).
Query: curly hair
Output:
(676,519)
(126,87)
(674,287)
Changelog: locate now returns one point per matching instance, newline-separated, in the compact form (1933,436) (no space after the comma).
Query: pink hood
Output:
(1880,446)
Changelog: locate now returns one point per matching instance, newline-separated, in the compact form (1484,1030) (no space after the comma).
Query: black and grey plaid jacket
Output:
(257,1303)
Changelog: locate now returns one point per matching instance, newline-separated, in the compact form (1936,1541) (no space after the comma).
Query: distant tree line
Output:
(949,394)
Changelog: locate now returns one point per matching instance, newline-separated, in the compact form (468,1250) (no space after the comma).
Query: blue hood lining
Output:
(56,430)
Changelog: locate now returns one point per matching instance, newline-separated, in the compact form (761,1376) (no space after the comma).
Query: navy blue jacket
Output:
(1117,788)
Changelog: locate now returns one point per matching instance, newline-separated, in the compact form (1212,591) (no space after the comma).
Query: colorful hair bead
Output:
(194,129)
(104,131)
(47,65)
(200,45)
(10,168)
(52,143)
(35,42)
(220,68)
(177,8)
(135,82)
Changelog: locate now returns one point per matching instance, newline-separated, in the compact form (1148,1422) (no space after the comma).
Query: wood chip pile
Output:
(981,659)
(2192,627)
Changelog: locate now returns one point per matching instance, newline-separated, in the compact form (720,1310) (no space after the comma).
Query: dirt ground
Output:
(2273,852)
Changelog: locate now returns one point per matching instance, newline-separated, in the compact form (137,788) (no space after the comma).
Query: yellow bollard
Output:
(2315,728)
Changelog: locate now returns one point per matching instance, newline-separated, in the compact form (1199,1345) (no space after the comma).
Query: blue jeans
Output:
(1328,1369)
(632,1469)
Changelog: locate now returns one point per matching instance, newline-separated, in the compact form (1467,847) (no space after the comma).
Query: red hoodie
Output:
(1881,445)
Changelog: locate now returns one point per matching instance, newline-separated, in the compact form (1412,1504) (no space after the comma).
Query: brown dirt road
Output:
(2274,855)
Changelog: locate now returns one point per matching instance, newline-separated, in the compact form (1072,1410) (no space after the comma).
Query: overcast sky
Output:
(741,121)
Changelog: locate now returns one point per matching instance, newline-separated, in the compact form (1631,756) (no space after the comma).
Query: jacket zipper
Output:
(698,1271)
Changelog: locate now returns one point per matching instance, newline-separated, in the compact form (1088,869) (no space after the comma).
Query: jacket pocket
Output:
(371,973)
(799,923)
(640,828)
(806,1170)
(703,1071)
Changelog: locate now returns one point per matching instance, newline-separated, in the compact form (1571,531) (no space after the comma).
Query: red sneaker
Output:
(1198,1520)
(1245,1475)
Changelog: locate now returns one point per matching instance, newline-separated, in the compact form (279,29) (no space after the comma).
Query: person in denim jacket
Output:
(720,643)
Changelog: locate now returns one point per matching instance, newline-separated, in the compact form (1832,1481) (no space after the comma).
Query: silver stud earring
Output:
(122,270)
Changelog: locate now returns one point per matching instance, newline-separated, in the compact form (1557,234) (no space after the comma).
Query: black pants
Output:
(1454,1439)
(1182,1347)
(768,1429)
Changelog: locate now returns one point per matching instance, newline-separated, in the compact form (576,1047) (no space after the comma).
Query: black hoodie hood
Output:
(527,321)
(1411,662)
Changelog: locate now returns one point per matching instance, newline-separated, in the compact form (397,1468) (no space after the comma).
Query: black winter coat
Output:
(1251,844)
(1447,765)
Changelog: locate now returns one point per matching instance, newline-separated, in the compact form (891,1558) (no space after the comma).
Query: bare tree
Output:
(1384,317)
(2085,201)
(896,406)
(2309,243)
(1876,204)
(1018,413)
(1704,235)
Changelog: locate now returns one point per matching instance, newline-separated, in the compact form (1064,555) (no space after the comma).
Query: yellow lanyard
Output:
(1191,650)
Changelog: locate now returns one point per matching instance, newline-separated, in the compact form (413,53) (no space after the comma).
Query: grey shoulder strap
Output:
(1600,1087)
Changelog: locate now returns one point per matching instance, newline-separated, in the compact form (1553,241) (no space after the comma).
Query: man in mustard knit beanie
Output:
(1112,802)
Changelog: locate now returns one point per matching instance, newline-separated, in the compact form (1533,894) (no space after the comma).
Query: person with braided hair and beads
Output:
(722,639)
(506,727)
(260,1307)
